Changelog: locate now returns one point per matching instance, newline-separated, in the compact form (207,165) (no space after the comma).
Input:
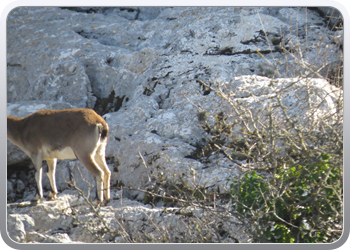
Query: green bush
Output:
(290,186)
(298,204)
(289,189)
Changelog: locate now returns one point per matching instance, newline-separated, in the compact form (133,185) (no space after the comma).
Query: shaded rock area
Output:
(141,68)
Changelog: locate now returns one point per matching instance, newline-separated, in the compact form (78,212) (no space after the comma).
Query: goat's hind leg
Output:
(51,174)
(90,164)
(101,161)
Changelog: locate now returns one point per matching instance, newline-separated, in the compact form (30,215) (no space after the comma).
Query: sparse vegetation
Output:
(291,184)
(289,155)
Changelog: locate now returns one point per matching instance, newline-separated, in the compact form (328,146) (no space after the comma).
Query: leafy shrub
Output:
(289,190)
(291,158)
(298,204)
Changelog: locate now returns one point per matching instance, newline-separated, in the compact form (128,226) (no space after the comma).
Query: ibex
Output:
(63,134)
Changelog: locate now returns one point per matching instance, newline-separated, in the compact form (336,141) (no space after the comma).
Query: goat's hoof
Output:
(51,196)
(34,202)
(104,202)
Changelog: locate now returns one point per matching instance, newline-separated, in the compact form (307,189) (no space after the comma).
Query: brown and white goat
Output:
(48,135)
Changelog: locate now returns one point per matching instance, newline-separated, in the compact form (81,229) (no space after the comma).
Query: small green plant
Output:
(276,41)
(297,204)
(268,73)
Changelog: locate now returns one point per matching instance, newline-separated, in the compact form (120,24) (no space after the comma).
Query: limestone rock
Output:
(138,67)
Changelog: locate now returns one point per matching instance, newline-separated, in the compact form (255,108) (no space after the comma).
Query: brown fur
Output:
(31,129)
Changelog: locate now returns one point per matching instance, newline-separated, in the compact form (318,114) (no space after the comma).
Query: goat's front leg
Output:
(37,160)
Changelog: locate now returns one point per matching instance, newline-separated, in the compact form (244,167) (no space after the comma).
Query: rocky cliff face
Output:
(142,69)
